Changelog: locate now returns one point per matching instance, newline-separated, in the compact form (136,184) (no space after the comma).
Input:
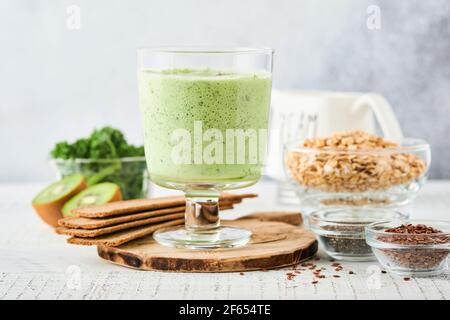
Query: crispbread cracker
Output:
(89,223)
(139,205)
(291,217)
(236,198)
(117,238)
(95,223)
(128,206)
(128,225)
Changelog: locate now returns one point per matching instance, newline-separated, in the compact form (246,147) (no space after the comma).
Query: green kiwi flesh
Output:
(58,190)
(97,194)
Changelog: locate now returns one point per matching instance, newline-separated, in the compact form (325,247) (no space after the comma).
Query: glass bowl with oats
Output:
(357,169)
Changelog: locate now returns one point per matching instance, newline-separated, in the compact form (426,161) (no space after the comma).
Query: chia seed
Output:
(343,244)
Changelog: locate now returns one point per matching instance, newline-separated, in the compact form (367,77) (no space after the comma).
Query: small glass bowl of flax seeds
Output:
(414,247)
(341,230)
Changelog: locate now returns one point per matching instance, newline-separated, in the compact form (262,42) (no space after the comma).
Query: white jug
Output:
(299,114)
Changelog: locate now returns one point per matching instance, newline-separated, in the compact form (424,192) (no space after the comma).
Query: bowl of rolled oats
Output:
(357,168)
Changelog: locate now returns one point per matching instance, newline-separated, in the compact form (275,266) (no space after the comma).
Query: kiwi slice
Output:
(97,194)
(49,202)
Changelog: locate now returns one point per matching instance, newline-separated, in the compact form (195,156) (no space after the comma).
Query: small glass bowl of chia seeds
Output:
(341,230)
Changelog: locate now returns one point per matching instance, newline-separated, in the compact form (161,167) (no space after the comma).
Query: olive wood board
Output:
(273,245)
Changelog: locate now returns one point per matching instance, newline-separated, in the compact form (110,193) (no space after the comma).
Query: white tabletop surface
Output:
(35,263)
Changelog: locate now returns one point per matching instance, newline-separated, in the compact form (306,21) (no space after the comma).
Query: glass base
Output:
(395,197)
(416,273)
(223,237)
(352,258)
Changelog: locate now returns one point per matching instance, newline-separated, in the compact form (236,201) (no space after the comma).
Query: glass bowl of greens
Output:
(104,156)
(130,173)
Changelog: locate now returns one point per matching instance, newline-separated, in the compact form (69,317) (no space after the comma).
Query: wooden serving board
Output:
(273,245)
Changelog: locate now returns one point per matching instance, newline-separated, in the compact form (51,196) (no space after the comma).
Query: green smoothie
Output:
(189,117)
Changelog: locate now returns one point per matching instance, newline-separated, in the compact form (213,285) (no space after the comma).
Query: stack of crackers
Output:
(119,222)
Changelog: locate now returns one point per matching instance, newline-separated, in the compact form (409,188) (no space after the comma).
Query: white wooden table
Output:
(35,263)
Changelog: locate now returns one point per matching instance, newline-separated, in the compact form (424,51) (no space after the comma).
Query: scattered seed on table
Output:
(336,276)
(383,271)
(315,282)
(406,278)
(351,272)
(335,264)
(290,276)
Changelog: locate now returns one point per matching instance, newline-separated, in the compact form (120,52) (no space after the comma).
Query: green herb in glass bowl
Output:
(104,156)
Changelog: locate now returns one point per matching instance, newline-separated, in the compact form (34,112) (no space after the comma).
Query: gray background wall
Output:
(57,83)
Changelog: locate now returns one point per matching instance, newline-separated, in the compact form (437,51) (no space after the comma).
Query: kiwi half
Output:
(49,202)
(97,194)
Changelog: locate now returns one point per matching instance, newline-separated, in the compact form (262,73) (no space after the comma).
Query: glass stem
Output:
(202,213)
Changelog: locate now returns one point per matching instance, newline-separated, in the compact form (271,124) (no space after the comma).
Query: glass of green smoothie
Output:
(204,115)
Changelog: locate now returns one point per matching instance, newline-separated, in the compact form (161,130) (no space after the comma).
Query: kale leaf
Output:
(104,143)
